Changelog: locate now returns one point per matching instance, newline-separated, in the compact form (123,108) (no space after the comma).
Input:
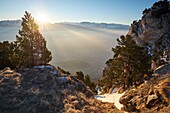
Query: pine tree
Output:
(31,45)
(86,79)
(80,75)
(6,55)
(128,65)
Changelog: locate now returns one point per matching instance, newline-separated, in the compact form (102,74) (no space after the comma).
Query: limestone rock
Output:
(152,97)
(153,26)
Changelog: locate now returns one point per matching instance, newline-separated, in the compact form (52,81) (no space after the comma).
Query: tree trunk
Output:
(127,81)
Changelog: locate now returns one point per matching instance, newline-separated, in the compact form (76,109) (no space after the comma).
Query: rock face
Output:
(152,32)
(42,91)
(154,27)
(152,97)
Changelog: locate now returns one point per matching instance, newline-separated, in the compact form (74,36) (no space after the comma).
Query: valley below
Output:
(75,47)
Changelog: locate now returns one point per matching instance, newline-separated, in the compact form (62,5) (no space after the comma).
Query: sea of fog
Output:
(75,48)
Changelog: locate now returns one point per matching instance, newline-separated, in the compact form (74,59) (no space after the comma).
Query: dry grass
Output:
(33,91)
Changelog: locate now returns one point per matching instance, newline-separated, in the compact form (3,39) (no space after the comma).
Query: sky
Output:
(110,11)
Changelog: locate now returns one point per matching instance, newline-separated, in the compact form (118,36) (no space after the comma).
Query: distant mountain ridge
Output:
(6,23)
(105,25)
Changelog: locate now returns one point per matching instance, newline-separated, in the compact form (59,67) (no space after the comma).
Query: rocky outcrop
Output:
(152,32)
(41,91)
(152,97)
(154,27)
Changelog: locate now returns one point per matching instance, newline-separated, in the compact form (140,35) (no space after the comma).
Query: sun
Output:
(42,18)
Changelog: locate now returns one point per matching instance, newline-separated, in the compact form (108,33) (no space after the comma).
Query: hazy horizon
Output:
(67,22)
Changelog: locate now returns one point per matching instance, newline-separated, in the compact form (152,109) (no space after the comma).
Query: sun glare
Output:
(42,18)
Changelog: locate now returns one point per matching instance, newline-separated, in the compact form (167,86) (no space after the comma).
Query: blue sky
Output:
(111,11)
